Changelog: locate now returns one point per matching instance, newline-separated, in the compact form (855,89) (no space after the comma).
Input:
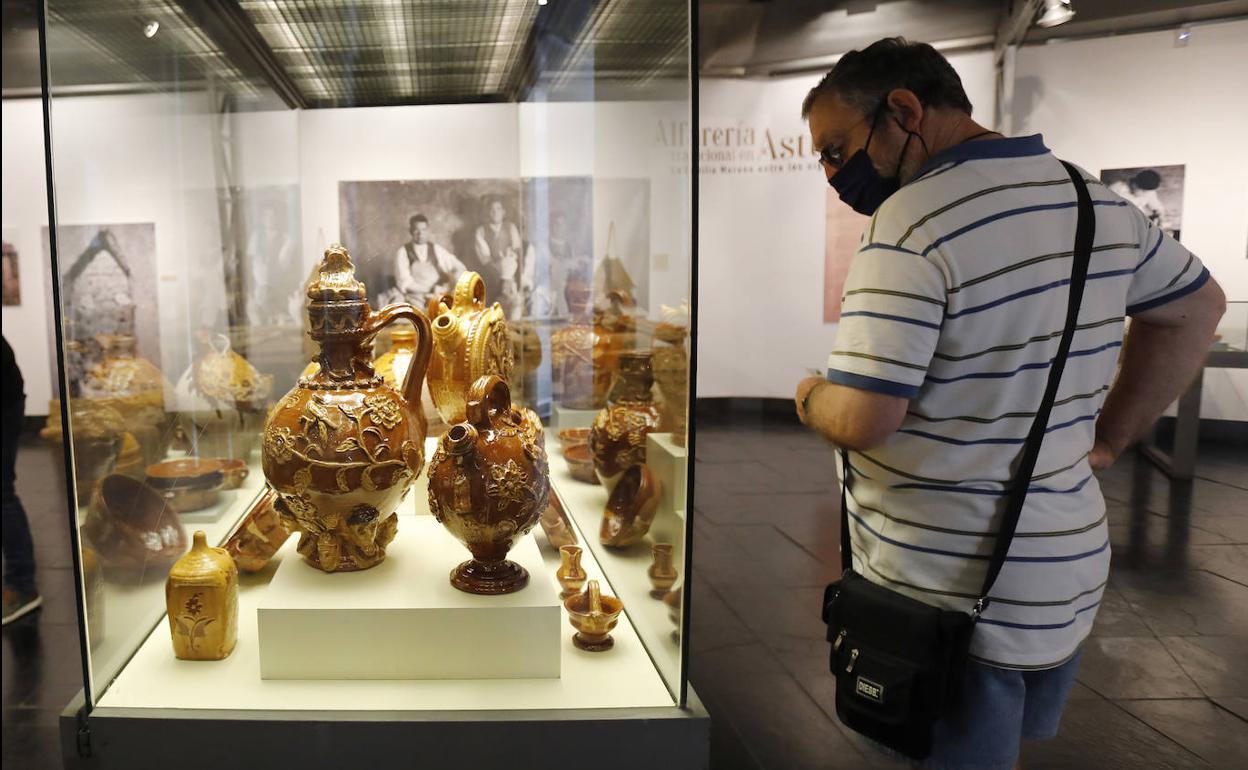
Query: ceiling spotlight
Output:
(1182,35)
(150,29)
(542,2)
(1055,12)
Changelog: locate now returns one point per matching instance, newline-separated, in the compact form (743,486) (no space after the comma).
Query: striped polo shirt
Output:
(956,301)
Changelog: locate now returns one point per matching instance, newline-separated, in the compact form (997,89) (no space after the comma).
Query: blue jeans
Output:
(1000,707)
(19,551)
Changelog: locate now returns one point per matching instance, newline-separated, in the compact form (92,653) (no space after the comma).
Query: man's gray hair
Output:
(863,78)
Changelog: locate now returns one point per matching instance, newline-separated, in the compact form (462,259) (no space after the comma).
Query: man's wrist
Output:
(806,400)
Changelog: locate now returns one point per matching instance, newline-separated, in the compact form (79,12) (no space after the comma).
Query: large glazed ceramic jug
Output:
(470,340)
(488,483)
(136,388)
(342,447)
(222,400)
(617,439)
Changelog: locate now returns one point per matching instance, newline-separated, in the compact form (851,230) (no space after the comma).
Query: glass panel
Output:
(207,157)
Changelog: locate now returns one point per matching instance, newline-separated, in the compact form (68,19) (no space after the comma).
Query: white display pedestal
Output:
(573,418)
(404,620)
(669,462)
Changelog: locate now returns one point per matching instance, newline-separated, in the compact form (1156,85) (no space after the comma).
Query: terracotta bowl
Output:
(572,436)
(631,508)
(189,484)
(235,472)
(131,526)
(580,463)
(593,615)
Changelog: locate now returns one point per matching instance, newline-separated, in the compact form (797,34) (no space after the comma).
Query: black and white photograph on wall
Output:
(108,287)
(411,239)
(273,274)
(12,270)
(622,239)
(559,239)
(1155,190)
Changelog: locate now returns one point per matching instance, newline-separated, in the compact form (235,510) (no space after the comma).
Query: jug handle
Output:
(469,291)
(424,347)
(489,395)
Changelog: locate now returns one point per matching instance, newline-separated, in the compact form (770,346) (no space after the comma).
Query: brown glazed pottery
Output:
(580,463)
(130,526)
(262,532)
(617,439)
(235,471)
(571,436)
(570,574)
(470,340)
(662,572)
(593,616)
(188,485)
(630,508)
(488,483)
(342,447)
(585,357)
(130,459)
(673,599)
(201,596)
(671,374)
(555,523)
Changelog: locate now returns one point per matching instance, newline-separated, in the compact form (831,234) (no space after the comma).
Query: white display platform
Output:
(669,462)
(624,677)
(571,418)
(404,620)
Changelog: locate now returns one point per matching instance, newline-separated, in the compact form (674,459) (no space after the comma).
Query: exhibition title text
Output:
(742,148)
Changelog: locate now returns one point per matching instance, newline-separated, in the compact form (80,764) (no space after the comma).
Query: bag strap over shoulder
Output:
(1016,495)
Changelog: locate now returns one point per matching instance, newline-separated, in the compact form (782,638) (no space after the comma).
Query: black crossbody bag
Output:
(899,663)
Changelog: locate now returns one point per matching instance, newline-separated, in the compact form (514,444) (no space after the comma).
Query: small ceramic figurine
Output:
(201,595)
(617,439)
(662,572)
(593,616)
(342,447)
(571,575)
(488,484)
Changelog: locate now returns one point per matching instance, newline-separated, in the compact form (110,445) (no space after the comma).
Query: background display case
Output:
(204,161)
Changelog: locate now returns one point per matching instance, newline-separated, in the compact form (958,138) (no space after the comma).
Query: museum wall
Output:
(1142,100)
(25,214)
(761,233)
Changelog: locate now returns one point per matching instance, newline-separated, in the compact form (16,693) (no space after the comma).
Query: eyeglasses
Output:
(833,156)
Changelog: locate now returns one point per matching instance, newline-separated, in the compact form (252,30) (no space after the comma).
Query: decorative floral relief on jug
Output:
(342,447)
(488,483)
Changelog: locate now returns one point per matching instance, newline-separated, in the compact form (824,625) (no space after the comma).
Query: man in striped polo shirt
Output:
(953,309)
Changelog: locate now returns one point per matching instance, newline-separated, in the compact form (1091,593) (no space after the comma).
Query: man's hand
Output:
(803,390)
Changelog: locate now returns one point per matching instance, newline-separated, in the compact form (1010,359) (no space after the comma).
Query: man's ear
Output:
(905,108)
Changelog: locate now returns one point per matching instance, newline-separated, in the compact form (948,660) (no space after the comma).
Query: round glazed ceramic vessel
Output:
(342,447)
(189,484)
(201,596)
(470,340)
(130,526)
(135,387)
(617,439)
(488,483)
(593,615)
(580,463)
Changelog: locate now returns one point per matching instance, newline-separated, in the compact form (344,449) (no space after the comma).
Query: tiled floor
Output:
(1164,682)
(1164,679)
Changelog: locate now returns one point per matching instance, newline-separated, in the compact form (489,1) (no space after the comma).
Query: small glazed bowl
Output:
(190,484)
(235,472)
(580,463)
(630,508)
(130,526)
(593,616)
(572,436)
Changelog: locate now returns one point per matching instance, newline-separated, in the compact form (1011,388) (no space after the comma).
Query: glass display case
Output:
(373,328)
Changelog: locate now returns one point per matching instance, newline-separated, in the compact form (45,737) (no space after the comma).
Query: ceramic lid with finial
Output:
(335,278)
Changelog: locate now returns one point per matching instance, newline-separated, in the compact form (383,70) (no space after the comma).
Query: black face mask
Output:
(860,185)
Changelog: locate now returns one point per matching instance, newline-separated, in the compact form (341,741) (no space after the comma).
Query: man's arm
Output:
(1164,350)
(402,272)
(849,417)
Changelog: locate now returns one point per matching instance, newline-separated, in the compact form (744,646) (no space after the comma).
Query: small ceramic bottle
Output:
(662,573)
(201,595)
(571,575)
